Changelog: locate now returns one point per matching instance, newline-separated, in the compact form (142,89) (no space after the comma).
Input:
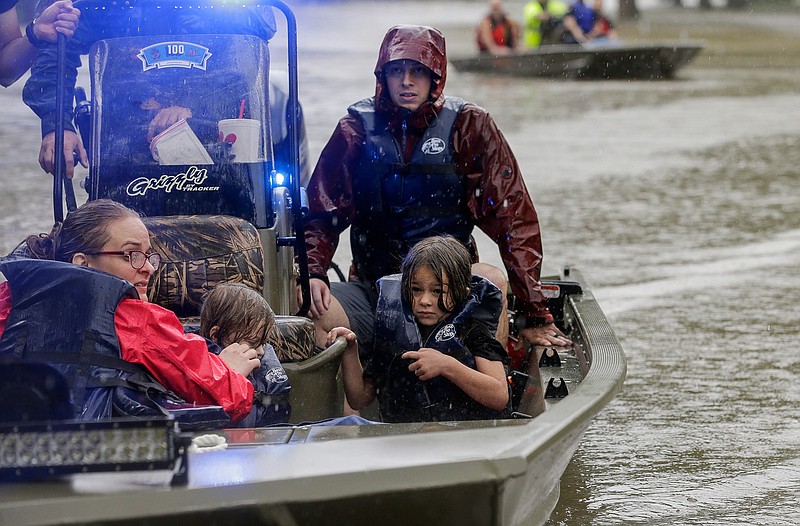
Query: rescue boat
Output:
(216,217)
(501,472)
(604,61)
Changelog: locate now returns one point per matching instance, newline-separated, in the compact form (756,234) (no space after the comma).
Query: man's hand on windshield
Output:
(72,144)
(165,118)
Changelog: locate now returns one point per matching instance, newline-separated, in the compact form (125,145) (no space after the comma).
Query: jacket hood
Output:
(424,44)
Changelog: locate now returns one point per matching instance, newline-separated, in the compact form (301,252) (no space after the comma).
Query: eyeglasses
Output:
(135,257)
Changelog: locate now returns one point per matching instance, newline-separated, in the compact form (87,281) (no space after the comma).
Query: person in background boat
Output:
(435,356)
(544,22)
(410,163)
(109,237)
(236,313)
(603,28)
(586,24)
(18,51)
(497,33)
(40,95)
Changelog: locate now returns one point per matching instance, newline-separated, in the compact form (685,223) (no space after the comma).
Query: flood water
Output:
(677,199)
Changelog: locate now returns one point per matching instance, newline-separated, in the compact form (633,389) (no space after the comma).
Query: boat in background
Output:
(607,61)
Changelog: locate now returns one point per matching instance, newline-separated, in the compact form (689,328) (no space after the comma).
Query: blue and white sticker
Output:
(433,146)
(276,375)
(174,55)
(448,332)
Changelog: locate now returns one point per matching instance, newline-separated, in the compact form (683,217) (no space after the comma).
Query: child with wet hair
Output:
(233,312)
(435,357)
(236,313)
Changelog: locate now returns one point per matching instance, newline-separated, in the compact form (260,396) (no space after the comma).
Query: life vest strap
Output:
(421,169)
(101,360)
(81,378)
(424,211)
(266,399)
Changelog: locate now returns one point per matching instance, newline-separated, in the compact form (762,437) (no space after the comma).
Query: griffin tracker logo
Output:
(448,332)
(174,55)
(188,181)
(433,146)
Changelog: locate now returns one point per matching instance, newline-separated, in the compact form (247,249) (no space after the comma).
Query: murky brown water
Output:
(679,202)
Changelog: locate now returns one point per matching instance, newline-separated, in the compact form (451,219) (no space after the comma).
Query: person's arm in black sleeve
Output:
(40,94)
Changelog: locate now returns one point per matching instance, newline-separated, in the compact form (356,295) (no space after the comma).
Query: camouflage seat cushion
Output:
(198,253)
(293,338)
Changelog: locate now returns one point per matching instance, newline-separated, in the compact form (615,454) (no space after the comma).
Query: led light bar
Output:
(39,450)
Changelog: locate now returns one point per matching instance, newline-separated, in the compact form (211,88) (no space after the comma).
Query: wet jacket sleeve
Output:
(40,92)
(152,336)
(330,194)
(502,207)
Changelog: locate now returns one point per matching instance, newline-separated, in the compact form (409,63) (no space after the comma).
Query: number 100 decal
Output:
(174,55)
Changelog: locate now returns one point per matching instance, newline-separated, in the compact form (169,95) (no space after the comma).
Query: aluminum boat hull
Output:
(627,61)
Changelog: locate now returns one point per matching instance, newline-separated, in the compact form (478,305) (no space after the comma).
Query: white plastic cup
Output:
(244,135)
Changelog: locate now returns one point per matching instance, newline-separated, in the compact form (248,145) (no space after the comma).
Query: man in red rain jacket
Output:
(410,163)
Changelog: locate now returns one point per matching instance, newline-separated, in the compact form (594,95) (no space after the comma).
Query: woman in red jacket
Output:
(107,236)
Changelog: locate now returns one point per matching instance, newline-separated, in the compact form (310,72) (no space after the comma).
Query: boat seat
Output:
(200,252)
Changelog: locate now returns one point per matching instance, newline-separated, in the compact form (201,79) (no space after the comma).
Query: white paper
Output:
(178,144)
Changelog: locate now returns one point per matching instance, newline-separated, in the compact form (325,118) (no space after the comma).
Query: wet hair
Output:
(85,229)
(241,314)
(444,256)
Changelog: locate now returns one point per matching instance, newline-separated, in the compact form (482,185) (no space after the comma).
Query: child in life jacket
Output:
(436,357)
(236,313)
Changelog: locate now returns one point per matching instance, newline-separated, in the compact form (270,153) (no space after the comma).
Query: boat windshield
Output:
(181,125)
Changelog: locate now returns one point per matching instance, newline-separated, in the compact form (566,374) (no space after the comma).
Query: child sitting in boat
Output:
(234,312)
(435,356)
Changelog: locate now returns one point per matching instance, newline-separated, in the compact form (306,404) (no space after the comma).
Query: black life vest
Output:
(271,401)
(398,203)
(402,396)
(63,315)
(271,398)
